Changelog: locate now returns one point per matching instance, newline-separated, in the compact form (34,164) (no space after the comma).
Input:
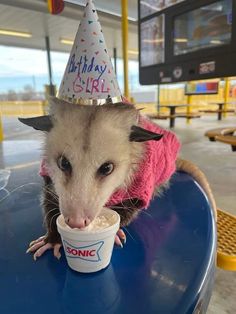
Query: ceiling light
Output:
(181,40)
(153,41)
(14,33)
(133,52)
(216,42)
(66,41)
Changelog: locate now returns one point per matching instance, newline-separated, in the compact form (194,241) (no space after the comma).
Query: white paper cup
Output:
(88,251)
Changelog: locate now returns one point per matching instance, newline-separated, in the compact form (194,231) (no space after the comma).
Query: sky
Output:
(21,66)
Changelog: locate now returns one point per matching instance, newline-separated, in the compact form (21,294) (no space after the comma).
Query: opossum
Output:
(91,152)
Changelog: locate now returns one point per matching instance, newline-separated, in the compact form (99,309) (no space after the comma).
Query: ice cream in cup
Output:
(89,250)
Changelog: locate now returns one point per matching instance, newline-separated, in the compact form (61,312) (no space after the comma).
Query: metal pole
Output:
(125,27)
(158,99)
(226,96)
(189,107)
(1,129)
(52,91)
(115,59)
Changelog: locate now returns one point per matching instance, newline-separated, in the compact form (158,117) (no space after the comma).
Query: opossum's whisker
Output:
(50,191)
(132,202)
(119,207)
(115,206)
(51,198)
(51,210)
(51,202)
(148,214)
(131,199)
(53,217)
(129,234)
(55,208)
(53,194)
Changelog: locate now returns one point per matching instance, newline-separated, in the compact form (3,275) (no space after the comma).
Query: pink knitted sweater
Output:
(155,169)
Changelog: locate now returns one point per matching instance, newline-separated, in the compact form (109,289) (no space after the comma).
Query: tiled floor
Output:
(215,159)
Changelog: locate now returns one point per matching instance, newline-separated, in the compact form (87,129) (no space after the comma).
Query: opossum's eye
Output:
(106,169)
(64,164)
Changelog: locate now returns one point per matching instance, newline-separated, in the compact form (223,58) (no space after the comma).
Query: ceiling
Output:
(33,16)
(112,7)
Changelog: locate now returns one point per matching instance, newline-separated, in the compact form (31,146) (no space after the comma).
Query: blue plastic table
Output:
(167,265)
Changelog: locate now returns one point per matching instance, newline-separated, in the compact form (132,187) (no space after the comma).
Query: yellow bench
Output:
(174,116)
(158,116)
(227,139)
(226,250)
(217,111)
(191,115)
(211,134)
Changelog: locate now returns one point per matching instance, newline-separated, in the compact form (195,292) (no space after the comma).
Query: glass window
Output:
(23,72)
(152,41)
(208,26)
(59,61)
(24,78)
(169,3)
(148,7)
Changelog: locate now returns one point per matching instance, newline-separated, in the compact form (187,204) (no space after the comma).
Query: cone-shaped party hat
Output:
(89,77)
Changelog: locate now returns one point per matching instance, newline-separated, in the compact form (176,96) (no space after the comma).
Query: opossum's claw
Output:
(118,241)
(36,241)
(56,250)
(121,235)
(35,246)
(39,246)
(120,238)
(42,249)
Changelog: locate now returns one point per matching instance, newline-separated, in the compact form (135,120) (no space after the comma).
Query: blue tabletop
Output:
(166,266)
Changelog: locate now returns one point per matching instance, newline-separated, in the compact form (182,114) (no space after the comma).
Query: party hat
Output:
(89,77)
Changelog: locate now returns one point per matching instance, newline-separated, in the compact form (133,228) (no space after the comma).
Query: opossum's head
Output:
(91,151)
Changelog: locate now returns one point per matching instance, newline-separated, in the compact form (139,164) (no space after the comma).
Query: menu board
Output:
(152,41)
(198,88)
(148,7)
(206,27)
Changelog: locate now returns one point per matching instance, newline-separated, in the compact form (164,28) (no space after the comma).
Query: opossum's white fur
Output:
(89,136)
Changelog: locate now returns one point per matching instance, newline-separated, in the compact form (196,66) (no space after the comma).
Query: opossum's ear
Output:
(42,123)
(141,135)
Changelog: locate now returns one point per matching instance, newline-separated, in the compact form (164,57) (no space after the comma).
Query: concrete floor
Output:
(216,160)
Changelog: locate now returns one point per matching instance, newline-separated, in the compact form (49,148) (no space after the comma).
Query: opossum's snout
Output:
(77,222)
(82,190)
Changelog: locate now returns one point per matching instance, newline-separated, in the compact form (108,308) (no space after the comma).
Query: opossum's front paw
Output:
(41,245)
(120,238)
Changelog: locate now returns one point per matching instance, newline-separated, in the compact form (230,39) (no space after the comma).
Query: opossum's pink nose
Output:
(77,222)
